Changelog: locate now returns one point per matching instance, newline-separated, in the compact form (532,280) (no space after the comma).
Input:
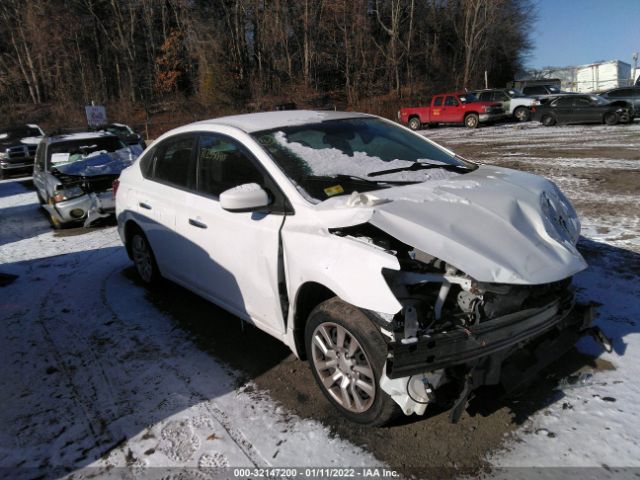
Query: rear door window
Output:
(174,163)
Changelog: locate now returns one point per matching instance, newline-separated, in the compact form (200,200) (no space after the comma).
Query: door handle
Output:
(146,206)
(196,223)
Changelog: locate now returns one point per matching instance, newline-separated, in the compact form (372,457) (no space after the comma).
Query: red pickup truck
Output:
(452,108)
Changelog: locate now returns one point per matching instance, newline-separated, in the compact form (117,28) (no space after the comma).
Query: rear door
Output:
(162,196)
(233,256)
(563,109)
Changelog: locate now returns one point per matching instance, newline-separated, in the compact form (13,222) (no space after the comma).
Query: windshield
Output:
(339,157)
(598,100)
(19,132)
(73,150)
(515,93)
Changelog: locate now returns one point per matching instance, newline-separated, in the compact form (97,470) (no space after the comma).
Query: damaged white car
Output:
(401,271)
(73,175)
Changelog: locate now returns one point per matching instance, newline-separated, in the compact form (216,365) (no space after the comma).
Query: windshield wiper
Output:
(341,176)
(419,166)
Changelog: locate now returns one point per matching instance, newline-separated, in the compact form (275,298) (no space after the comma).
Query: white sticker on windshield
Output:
(59,158)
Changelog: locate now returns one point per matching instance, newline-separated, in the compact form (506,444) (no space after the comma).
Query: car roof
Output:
(79,136)
(255,122)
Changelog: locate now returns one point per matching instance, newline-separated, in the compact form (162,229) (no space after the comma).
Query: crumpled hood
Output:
(495,224)
(99,163)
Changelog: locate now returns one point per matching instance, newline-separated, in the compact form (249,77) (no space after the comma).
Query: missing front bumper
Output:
(510,351)
(497,336)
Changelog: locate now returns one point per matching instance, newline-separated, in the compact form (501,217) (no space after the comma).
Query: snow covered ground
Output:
(95,375)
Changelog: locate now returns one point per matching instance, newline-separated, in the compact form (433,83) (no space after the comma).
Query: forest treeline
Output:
(233,55)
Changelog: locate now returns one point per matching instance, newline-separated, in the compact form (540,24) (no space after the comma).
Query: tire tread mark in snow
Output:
(93,417)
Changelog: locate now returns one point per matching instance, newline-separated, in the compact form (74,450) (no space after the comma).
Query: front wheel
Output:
(472,120)
(414,123)
(346,352)
(522,114)
(611,118)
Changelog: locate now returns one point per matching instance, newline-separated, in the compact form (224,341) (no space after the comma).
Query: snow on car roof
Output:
(79,136)
(254,122)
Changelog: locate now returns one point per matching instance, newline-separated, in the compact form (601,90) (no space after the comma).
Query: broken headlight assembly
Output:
(63,193)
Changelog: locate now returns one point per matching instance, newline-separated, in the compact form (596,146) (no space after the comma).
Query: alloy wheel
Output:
(343,367)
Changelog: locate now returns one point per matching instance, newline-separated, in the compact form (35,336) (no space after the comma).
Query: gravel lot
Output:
(98,371)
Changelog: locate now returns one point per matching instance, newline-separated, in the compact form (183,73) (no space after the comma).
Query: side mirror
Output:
(244,198)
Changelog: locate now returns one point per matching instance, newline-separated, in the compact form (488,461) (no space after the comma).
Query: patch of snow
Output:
(332,161)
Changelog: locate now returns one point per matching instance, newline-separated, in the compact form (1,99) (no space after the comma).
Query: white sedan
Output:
(393,265)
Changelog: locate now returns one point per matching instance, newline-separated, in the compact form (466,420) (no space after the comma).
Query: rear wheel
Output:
(611,118)
(346,352)
(548,120)
(522,114)
(472,120)
(414,123)
(143,257)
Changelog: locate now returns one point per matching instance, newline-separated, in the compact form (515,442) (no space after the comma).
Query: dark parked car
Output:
(629,96)
(579,109)
(126,134)
(18,148)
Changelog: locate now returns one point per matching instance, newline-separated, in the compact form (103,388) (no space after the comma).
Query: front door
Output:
(233,256)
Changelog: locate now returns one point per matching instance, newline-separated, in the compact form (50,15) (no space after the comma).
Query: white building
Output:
(593,77)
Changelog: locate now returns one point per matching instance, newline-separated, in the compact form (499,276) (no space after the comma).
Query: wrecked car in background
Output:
(127,135)
(73,175)
(402,272)
(18,148)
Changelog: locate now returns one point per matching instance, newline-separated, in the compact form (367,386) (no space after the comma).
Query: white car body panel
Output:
(233,242)
(516,102)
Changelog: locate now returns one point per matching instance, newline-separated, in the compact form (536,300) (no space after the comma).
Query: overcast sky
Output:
(575,32)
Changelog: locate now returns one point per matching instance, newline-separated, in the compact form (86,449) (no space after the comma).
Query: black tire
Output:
(610,118)
(369,355)
(472,120)
(144,260)
(522,114)
(2,174)
(548,120)
(414,123)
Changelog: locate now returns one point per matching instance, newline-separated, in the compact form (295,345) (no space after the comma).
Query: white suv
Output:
(393,265)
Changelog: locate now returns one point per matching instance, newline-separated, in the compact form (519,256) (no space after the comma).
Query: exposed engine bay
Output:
(453,328)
